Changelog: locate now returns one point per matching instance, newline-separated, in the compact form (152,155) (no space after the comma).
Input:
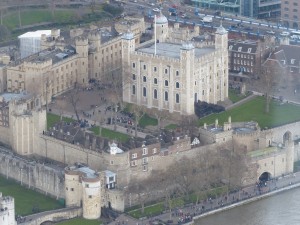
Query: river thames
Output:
(280,209)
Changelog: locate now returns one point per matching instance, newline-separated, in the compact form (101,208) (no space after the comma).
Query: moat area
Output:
(280,209)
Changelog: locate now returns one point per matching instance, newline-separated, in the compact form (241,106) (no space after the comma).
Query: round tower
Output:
(7,207)
(73,187)
(161,28)
(91,198)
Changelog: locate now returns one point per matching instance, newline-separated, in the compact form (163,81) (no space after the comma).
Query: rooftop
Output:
(172,50)
(35,34)
(262,152)
(11,96)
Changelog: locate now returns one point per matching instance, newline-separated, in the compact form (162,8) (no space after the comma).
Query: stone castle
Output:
(92,173)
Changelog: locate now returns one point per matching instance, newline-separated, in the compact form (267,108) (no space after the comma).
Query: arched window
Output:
(155,81)
(177,98)
(144,92)
(177,85)
(166,83)
(133,77)
(144,78)
(155,94)
(133,89)
(166,96)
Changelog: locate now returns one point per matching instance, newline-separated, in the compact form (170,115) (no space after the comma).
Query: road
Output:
(232,23)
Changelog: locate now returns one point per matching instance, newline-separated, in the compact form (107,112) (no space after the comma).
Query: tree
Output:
(271,76)
(189,124)
(139,112)
(74,98)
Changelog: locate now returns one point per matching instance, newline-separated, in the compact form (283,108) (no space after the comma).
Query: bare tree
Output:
(74,99)
(271,75)
(139,112)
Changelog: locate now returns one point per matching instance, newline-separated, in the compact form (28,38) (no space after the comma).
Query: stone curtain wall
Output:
(33,175)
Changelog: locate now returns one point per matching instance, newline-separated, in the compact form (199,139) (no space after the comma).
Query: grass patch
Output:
(253,110)
(146,120)
(34,16)
(53,119)
(234,96)
(80,221)
(26,199)
(171,127)
(149,211)
(110,134)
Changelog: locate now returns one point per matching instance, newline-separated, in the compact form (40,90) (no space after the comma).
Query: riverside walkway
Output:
(191,212)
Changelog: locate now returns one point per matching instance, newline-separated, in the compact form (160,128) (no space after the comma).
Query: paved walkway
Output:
(185,214)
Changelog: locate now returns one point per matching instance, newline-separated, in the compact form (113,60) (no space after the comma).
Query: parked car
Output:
(156,10)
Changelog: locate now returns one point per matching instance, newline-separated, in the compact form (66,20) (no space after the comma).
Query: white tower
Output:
(7,210)
(161,26)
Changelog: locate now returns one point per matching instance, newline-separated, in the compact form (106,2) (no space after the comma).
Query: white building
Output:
(7,210)
(30,42)
(172,75)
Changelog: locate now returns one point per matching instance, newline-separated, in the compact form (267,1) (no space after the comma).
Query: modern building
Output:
(249,8)
(290,13)
(170,75)
(30,42)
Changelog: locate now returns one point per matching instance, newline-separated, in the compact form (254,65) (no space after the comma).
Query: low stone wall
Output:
(55,216)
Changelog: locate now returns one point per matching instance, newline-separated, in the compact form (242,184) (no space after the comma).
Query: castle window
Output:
(177,73)
(166,96)
(133,65)
(111,162)
(155,94)
(133,163)
(72,189)
(145,67)
(155,81)
(177,85)
(166,83)
(90,196)
(133,89)
(145,151)
(155,69)
(144,79)
(145,160)
(133,77)
(134,156)
(145,167)
(144,92)
(177,98)
(166,71)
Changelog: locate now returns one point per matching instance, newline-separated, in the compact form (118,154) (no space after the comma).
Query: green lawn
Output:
(171,126)
(234,96)
(33,16)
(110,134)
(26,199)
(146,120)
(148,211)
(253,110)
(80,221)
(53,119)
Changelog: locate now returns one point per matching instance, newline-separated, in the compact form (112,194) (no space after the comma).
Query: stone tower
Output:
(82,46)
(221,44)
(289,146)
(187,60)
(128,46)
(95,39)
(7,210)
(162,28)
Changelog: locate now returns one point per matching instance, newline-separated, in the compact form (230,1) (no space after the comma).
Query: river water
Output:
(280,209)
